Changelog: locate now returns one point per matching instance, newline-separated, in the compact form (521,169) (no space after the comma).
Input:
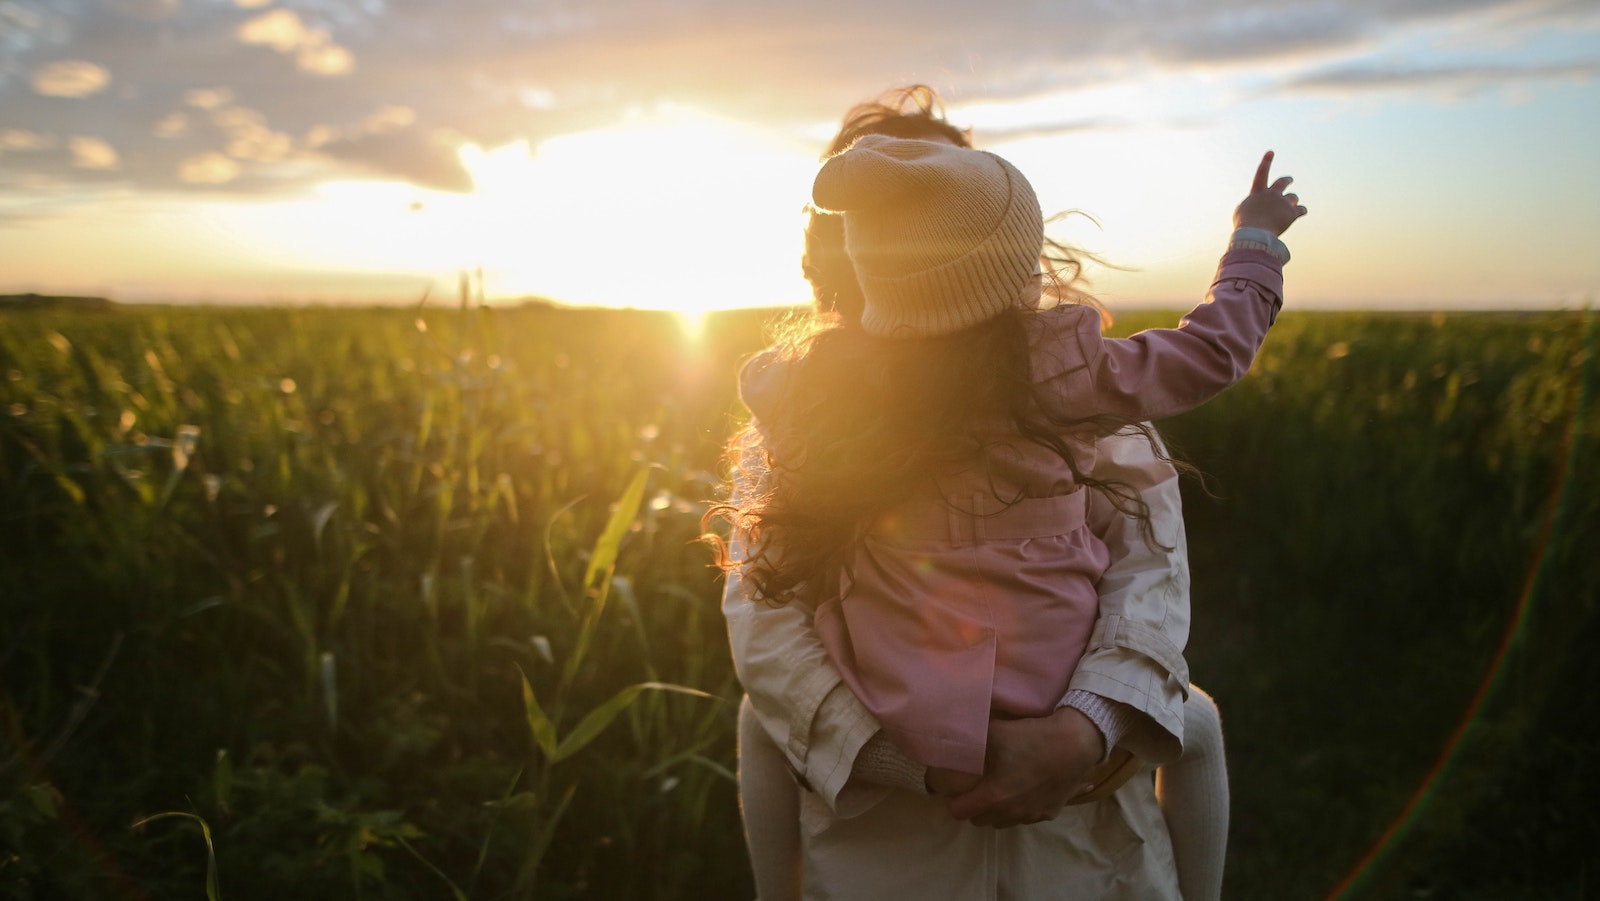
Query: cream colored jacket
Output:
(1135,654)
(862,842)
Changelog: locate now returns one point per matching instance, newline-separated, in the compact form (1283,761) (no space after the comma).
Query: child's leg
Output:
(769,802)
(1193,791)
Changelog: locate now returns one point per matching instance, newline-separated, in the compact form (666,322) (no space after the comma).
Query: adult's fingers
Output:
(1282,183)
(979,803)
(986,807)
(1009,818)
(1260,182)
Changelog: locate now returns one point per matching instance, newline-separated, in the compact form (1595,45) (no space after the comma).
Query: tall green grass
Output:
(317,554)
(405,604)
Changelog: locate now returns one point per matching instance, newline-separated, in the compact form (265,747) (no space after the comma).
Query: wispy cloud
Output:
(1455,80)
(997,135)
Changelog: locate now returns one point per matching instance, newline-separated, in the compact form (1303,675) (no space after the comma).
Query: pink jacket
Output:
(961,608)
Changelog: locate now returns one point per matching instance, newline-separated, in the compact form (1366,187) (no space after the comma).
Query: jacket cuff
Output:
(1114,719)
(881,762)
(1140,667)
(841,728)
(1259,239)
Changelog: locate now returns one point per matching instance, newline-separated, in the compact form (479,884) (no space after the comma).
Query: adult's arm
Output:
(795,690)
(798,695)
(1135,653)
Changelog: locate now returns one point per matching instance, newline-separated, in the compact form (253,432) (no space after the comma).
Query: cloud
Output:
(1235,36)
(290,93)
(389,118)
(280,29)
(249,136)
(152,10)
(325,59)
(172,125)
(70,78)
(426,159)
(16,139)
(207,98)
(1455,80)
(997,135)
(283,31)
(208,169)
(92,153)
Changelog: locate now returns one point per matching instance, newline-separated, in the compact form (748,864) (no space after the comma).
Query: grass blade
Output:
(539,725)
(605,549)
(455,891)
(213,884)
(596,721)
(597,577)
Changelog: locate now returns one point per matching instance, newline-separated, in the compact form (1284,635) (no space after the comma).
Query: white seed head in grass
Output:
(183,446)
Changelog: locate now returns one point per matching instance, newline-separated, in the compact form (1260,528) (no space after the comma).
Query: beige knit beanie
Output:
(942,237)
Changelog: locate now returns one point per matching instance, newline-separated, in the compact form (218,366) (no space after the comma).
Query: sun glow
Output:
(680,212)
(674,210)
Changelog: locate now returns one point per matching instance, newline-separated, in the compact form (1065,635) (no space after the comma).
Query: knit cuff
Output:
(1114,719)
(1259,239)
(880,762)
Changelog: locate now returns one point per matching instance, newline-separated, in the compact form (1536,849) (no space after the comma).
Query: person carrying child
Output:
(925,472)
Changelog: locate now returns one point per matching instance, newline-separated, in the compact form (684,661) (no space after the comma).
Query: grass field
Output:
(358,604)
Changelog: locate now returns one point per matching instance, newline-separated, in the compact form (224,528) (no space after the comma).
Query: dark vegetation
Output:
(354,592)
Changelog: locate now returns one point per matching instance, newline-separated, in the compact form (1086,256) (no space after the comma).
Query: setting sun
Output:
(677,211)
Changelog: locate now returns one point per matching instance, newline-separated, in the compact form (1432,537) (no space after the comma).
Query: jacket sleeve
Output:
(796,692)
(1160,372)
(1135,653)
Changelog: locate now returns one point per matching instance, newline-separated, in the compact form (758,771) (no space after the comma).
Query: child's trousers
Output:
(1193,791)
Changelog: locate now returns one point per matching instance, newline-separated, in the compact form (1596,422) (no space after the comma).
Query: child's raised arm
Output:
(1163,372)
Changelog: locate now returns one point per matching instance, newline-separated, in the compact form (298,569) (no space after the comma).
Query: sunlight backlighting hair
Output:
(868,423)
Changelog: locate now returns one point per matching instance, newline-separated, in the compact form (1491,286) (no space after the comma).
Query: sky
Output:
(659,154)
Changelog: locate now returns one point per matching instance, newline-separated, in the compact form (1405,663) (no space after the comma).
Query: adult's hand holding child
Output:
(1035,766)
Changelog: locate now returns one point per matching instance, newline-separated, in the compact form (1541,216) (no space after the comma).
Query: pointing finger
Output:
(1260,182)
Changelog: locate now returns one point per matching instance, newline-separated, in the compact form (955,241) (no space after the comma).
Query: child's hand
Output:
(949,783)
(1267,206)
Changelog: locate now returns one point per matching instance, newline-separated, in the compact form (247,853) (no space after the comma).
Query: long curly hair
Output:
(868,423)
